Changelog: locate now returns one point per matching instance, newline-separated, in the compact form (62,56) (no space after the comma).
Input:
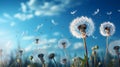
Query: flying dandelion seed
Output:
(112,46)
(63,43)
(107,26)
(82,21)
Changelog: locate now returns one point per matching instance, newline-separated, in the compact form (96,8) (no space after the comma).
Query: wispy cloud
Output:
(48,41)
(52,40)
(78,45)
(33,8)
(23,7)
(7,19)
(96,12)
(6,15)
(28,48)
(109,13)
(23,16)
(47,8)
(73,12)
(28,37)
(45,43)
(119,10)
(12,24)
(56,33)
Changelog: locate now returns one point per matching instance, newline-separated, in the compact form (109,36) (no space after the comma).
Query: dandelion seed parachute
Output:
(109,25)
(112,45)
(65,42)
(80,21)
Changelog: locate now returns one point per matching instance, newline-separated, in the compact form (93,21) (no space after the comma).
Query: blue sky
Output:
(49,20)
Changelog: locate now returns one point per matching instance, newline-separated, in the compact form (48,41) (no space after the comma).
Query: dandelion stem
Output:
(107,44)
(85,46)
(55,62)
(43,64)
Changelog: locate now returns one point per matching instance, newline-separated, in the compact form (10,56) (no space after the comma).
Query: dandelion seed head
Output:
(63,60)
(63,43)
(112,45)
(107,25)
(80,21)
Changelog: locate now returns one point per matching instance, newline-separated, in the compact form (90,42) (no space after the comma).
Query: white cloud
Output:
(53,22)
(12,24)
(23,7)
(28,37)
(56,33)
(6,15)
(44,44)
(46,8)
(42,8)
(23,16)
(73,12)
(78,45)
(7,19)
(52,40)
(45,47)
(28,48)
(96,12)
(109,13)
(48,41)
(119,10)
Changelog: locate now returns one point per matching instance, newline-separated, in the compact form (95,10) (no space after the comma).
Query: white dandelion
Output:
(63,43)
(88,22)
(107,29)
(112,46)
(64,61)
(82,27)
(37,52)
